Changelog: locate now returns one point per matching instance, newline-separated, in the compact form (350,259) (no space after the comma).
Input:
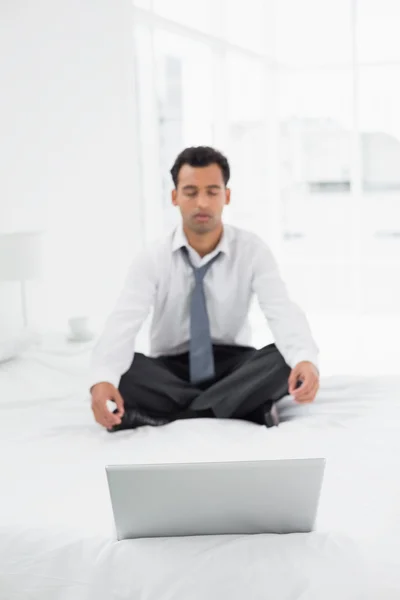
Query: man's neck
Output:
(205,243)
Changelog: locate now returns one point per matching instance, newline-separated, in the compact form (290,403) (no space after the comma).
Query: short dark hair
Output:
(201,156)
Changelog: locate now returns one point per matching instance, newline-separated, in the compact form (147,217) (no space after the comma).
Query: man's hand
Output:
(101,392)
(307,374)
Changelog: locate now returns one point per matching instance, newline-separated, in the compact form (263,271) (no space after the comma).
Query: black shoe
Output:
(271,415)
(133,418)
(266,414)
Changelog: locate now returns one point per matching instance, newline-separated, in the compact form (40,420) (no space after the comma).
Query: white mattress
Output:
(56,531)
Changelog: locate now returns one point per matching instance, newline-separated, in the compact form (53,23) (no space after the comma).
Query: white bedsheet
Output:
(56,530)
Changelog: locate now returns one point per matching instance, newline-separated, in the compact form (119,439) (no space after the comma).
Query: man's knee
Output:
(139,368)
(273,357)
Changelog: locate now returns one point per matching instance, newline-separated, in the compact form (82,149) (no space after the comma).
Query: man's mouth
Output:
(202,217)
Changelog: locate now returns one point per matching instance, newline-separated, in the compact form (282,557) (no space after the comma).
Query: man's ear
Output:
(227,196)
(173,197)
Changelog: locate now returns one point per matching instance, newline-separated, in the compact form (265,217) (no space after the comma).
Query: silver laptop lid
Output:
(164,500)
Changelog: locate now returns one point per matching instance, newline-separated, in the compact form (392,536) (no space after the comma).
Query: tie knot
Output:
(199,272)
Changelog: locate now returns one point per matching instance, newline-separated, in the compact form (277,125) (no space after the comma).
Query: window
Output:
(315,113)
(185,94)
(378,30)
(380,218)
(246,140)
(313,32)
(299,97)
(250,26)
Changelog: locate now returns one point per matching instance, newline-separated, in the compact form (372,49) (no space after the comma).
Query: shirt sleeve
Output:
(114,350)
(287,321)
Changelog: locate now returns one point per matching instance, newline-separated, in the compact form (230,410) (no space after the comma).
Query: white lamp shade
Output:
(21,256)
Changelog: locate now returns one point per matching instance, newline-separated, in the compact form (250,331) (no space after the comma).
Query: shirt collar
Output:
(179,241)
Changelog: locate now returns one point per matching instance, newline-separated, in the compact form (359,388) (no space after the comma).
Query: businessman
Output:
(199,282)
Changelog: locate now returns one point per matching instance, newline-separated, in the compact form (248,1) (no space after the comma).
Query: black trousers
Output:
(245,380)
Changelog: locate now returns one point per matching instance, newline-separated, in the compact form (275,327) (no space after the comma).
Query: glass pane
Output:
(200,15)
(246,88)
(246,144)
(148,131)
(380,285)
(380,144)
(311,32)
(315,152)
(185,102)
(378,30)
(249,24)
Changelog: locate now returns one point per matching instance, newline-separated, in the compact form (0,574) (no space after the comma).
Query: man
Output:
(199,281)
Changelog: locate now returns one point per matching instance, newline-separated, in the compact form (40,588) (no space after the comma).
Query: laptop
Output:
(168,500)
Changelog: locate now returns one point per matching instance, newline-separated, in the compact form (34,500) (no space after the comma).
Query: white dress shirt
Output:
(160,279)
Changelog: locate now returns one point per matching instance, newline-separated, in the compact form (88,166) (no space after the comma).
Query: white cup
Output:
(79,328)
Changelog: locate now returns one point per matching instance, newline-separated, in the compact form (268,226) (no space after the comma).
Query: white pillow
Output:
(13,342)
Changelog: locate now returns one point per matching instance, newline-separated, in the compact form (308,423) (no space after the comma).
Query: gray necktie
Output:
(201,358)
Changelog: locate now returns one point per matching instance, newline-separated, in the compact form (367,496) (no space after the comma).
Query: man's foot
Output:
(267,415)
(133,418)
(271,415)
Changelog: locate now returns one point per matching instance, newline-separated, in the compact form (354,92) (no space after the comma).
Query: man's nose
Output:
(202,201)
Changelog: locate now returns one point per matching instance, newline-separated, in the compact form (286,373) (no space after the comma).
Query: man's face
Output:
(201,196)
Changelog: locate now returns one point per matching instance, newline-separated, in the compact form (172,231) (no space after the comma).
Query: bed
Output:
(57,539)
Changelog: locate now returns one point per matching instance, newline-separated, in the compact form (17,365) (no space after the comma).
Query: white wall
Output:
(67,148)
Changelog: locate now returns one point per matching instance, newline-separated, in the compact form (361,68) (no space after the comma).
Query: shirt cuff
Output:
(102,376)
(306,357)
